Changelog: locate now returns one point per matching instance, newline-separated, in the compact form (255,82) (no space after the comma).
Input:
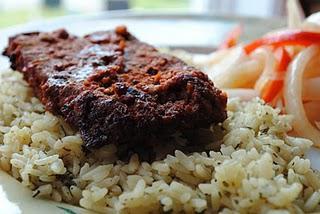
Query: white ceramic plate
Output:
(194,32)
(191,31)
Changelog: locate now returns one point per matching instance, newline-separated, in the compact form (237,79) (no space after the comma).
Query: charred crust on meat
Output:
(114,88)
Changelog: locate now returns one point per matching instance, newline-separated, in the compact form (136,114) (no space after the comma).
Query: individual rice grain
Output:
(97,173)
(43,190)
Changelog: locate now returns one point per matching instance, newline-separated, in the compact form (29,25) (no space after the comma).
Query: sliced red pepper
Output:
(271,90)
(283,58)
(289,37)
(273,86)
(232,38)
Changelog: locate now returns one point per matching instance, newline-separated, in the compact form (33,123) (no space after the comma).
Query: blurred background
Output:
(14,12)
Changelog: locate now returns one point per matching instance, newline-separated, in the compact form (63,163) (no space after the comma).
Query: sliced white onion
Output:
(309,26)
(295,14)
(293,95)
(268,61)
(317,124)
(311,90)
(279,102)
(314,18)
(312,23)
(208,60)
(312,110)
(243,93)
(235,70)
(312,69)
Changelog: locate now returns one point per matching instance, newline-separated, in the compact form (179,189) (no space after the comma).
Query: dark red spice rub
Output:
(114,88)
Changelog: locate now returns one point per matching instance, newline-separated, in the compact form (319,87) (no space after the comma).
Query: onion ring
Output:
(243,93)
(293,95)
(311,89)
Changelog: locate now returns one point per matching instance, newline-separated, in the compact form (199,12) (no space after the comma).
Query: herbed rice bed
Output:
(259,168)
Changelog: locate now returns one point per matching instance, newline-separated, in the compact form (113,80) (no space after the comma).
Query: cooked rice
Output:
(259,168)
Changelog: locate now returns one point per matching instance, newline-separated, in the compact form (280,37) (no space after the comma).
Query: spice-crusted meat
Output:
(114,88)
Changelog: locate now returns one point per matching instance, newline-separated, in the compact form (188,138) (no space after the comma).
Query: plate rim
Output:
(143,14)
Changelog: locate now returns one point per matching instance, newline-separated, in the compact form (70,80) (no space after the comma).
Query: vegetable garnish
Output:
(271,90)
(232,38)
(273,86)
(283,58)
(288,37)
